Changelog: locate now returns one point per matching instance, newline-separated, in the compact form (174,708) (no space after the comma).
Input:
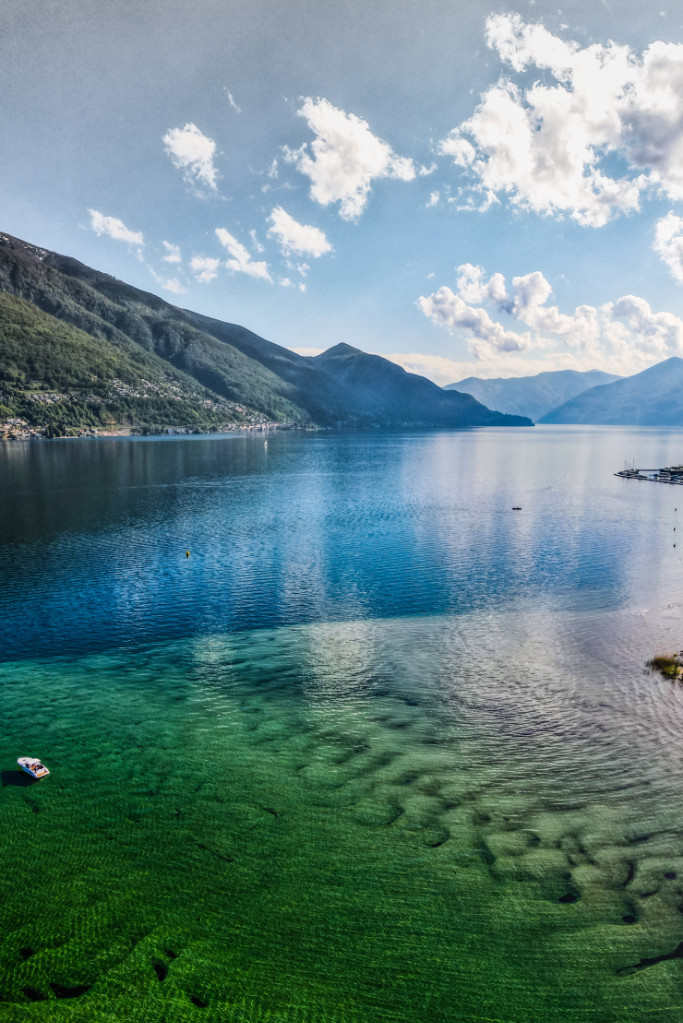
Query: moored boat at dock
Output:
(668,474)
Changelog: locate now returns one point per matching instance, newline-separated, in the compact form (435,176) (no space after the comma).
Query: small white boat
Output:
(33,767)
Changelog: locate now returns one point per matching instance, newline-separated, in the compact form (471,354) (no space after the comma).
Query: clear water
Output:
(380,749)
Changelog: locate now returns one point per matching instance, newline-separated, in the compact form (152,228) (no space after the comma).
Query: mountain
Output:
(533,396)
(80,349)
(650,398)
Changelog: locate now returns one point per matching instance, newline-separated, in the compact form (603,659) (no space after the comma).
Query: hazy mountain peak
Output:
(648,398)
(532,396)
(340,349)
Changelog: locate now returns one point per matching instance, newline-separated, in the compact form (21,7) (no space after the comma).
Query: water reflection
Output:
(323,528)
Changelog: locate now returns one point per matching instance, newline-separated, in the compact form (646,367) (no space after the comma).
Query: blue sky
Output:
(470,189)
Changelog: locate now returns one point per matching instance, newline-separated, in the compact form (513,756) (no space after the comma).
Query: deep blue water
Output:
(314,528)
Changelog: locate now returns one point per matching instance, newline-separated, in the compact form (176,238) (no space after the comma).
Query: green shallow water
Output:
(381,749)
(317,823)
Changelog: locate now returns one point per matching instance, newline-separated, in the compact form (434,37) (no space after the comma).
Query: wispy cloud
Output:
(444,371)
(345,158)
(171,284)
(193,153)
(172,253)
(114,228)
(231,101)
(205,268)
(296,239)
(241,261)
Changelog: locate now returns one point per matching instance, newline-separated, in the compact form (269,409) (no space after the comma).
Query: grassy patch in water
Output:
(229,834)
(668,665)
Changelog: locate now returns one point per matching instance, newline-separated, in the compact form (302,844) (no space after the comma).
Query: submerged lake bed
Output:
(380,749)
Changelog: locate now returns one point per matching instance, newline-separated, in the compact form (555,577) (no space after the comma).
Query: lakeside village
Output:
(228,416)
(18,429)
(669,474)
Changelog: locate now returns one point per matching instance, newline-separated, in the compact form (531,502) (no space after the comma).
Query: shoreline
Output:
(29,434)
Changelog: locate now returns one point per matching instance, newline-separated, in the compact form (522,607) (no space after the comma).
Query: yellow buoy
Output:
(187,554)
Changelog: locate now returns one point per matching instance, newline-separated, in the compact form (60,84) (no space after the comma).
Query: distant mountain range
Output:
(533,396)
(650,398)
(80,350)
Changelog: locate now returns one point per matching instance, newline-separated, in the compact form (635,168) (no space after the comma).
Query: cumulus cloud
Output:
(241,261)
(669,244)
(205,268)
(551,147)
(486,337)
(623,336)
(114,228)
(172,253)
(345,158)
(192,152)
(296,239)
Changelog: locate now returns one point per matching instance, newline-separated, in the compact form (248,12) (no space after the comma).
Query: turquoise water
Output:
(379,749)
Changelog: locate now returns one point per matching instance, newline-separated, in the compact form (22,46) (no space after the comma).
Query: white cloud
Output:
(255,242)
(345,158)
(205,268)
(192,152)
(669,244)
(474,289)
(485,336)
(241,261)
(433,199)
(552,147)
(171,284)
(296,239)
(174,285)
(114,228)
(172,253)
(231,101)
(621,337)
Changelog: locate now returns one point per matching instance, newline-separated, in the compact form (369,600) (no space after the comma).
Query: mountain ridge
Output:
(648,398)
(535,395)
(243,378)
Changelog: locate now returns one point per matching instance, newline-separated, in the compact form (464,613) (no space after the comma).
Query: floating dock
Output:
(669,474)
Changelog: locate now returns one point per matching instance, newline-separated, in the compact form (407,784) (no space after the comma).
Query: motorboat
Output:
(33,767)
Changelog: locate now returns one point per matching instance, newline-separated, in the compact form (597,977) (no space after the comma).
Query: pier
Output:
(669,474)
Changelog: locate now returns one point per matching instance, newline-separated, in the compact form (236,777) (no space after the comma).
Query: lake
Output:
(336,736)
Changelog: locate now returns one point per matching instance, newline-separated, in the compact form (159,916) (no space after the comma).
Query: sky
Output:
(469,189)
